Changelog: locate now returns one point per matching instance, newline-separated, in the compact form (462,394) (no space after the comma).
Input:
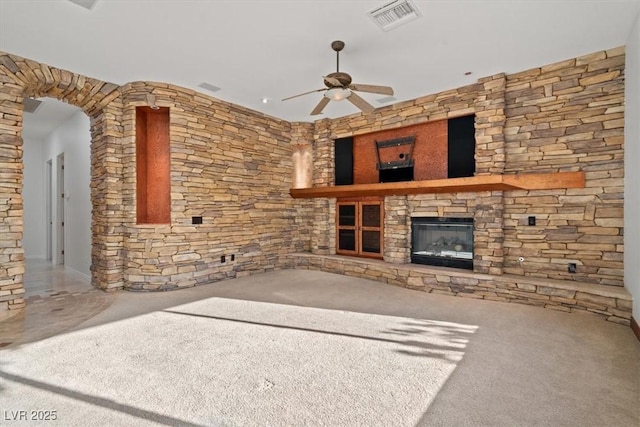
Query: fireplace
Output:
(446,242)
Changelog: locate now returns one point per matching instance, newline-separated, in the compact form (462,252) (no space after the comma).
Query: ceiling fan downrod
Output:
(337,46)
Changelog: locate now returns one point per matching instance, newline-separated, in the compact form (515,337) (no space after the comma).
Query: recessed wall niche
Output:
(153,166)
(343,161)
(461,145)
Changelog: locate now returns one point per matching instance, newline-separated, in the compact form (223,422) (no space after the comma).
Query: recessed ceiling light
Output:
(265,100)
(209,87)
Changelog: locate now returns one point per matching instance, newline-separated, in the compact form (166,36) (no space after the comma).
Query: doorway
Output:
(60,197)
(56,144)
(48,182)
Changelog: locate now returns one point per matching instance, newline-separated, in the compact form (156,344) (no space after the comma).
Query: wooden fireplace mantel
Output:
(526,181)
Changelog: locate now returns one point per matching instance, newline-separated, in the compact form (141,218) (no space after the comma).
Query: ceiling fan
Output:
(339,87)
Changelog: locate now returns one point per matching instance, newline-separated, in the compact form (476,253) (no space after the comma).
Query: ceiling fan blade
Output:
(360,103)
(323,103)
(306,93)
(383,90)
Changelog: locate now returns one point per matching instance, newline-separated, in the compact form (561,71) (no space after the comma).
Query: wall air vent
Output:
(87,4)
(31,105)
(394,14)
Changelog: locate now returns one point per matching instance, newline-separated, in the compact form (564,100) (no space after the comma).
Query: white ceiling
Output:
(49,115)
(274,49)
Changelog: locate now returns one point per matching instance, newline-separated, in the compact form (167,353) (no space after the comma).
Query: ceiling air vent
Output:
(31,105)
(386,99)
(87,4)
(394,14)
(209,87)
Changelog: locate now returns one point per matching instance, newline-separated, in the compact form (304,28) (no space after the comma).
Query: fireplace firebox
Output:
(446,242)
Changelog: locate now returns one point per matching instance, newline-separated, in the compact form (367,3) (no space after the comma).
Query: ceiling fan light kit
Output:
(337,93)
(339,87)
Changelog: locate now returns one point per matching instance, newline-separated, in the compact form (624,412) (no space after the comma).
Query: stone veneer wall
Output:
(397,229)
(233,166)
(107,215)
(485,99)
(230,165)
(566,116)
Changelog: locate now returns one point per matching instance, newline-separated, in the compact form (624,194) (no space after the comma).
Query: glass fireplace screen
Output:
(442,241)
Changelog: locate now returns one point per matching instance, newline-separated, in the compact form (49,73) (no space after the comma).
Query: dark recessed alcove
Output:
(344,161)
(396,175)
(461,147)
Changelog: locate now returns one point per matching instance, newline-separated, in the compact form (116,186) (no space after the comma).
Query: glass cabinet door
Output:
(371,228)
(359,228)
(347,227)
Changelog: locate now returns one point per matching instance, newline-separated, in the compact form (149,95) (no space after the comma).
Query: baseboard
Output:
(635,328)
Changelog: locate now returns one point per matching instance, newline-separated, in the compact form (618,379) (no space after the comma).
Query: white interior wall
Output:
(632,169)
(72,138)
(33,192)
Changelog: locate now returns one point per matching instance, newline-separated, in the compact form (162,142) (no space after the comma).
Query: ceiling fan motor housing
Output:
(344,80)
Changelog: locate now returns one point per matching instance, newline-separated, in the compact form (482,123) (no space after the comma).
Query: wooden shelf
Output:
(528,181)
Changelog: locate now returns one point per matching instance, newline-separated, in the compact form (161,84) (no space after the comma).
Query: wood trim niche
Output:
(153,166)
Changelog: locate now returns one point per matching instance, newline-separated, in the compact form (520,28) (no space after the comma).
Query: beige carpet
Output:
(310,348)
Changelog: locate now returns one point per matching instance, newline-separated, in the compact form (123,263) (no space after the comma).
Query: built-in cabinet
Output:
(359,226)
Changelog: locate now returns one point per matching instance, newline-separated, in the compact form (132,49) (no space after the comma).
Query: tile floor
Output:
(43,278)
(57,299)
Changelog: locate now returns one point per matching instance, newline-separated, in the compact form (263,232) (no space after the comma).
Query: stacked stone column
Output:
(324,210)
(107,229)
(397,230)
(11,204)
(488,232)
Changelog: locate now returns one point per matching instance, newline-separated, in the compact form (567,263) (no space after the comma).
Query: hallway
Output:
(43,279)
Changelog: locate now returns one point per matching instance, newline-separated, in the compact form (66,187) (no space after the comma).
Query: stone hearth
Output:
(608,302)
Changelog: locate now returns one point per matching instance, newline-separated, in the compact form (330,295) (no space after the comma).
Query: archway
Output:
(20,78)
